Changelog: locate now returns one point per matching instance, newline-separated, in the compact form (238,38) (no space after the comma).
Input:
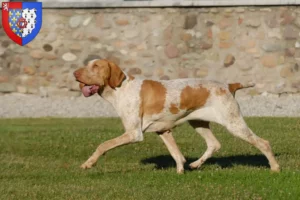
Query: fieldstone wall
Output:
(260,44)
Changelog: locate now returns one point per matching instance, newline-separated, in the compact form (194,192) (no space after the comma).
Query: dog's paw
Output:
(275,168)
(195,165)
(180,171)
(87,165)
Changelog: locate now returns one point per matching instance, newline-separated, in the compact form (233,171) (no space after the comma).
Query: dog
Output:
(146,105)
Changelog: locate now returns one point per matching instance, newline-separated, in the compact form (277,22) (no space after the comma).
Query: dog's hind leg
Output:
(169,141)
(237,126)
(213,145)
(231,117)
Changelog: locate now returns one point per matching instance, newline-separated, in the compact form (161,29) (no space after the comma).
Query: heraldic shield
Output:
(22,21)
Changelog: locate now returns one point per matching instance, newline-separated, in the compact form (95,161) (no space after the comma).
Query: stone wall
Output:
(260,44)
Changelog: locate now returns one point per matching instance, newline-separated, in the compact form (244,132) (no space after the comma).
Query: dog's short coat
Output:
(158,106)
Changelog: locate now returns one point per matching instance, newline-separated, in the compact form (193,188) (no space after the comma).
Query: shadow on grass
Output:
(166,161)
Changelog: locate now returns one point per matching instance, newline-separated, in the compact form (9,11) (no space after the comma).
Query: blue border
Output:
(39,20)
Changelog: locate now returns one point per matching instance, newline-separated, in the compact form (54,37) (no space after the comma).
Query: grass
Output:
(40,159)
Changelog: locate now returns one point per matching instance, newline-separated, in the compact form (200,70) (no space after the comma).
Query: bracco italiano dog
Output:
(158,106)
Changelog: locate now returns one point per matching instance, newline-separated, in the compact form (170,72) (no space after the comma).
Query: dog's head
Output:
(97,75)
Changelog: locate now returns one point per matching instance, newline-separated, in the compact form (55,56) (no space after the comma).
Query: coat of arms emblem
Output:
(22,21)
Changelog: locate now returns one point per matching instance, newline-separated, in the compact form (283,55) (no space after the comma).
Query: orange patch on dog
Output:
(193,98)
(234,87)
(173,108)
(153,97)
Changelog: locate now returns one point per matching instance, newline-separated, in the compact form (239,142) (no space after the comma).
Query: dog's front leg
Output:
(127,138)
(169,141)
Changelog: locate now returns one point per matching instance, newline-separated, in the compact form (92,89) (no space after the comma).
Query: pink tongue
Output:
(89,90)
(86,91)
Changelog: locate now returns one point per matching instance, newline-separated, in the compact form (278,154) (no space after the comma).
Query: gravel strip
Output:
(20,105)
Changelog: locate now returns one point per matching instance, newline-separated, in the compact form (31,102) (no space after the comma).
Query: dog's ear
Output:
(116,75)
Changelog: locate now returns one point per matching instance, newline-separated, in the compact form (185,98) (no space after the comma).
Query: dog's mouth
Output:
(88,90)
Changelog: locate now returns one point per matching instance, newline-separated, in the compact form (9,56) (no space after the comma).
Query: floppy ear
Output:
(116,75)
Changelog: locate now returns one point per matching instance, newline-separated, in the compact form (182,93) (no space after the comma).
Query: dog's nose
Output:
(76,74)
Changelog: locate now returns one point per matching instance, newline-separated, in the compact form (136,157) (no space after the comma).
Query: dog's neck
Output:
(110,94)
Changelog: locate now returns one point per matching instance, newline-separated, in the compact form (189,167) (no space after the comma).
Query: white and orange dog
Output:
(158,106)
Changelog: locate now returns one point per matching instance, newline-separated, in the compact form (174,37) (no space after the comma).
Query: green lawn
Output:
(40,159)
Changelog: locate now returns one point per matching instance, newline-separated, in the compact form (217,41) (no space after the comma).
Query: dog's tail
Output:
(233,87)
